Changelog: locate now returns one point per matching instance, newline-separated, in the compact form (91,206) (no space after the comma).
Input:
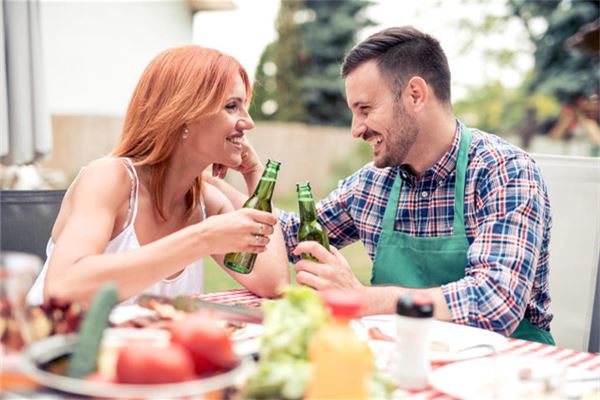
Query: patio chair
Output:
(26,219)
(574,190)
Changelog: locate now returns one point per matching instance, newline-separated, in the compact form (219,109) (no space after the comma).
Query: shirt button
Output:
(424,194)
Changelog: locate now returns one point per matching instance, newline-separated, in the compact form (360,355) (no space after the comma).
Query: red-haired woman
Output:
(142,217)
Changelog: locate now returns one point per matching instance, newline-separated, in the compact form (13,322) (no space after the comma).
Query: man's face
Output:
(378,117)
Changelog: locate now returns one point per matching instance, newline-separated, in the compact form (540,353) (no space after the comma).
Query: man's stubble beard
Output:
(403,135)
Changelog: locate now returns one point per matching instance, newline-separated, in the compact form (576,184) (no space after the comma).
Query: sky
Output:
(245,31)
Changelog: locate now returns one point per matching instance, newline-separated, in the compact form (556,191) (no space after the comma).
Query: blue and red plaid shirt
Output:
(507,221)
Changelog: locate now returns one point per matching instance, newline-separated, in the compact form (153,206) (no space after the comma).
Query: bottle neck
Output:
(265,187)
(306,205)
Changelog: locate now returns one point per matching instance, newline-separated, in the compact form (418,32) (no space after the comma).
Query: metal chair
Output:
(574,190)
(27,218)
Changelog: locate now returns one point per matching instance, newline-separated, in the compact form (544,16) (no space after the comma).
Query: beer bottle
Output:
(260,200)
(309,229)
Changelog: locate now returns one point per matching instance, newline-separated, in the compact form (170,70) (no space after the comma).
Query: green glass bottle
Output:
(309,229)
(260,200)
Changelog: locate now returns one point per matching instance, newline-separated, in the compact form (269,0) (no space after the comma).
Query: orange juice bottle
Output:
(342,363)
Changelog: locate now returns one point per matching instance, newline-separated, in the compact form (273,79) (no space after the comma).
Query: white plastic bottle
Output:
(414,316)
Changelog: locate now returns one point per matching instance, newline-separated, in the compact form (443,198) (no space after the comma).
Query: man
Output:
(443,209)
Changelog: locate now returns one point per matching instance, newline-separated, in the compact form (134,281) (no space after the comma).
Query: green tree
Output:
(560,70)
(298,77)
(560,73)
(277,87)
(498,109)
(327,36)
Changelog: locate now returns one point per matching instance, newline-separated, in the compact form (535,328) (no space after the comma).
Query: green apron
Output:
(422,262)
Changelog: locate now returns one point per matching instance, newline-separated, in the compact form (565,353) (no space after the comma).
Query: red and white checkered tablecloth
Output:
(566,357)
(234,296)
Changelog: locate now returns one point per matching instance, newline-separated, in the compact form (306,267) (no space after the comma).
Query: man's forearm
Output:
(382,300)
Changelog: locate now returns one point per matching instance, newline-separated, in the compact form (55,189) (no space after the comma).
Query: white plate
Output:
(499,378)
(124,313)
(246,340)
(43,351)
(448,340)
(249,331)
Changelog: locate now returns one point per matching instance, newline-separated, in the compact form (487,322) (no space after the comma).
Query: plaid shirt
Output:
(507,221)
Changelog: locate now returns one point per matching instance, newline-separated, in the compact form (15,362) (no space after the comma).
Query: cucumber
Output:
(84,359)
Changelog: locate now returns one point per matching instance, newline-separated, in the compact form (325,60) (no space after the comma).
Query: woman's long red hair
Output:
(179,86)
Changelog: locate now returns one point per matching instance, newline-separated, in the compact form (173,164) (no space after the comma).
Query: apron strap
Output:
(389,217)
(462,162)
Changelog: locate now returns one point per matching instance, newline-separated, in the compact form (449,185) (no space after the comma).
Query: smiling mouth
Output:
(235,140)
(368,136)
(374,140)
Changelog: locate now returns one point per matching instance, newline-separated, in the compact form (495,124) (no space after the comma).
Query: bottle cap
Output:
(302,184)
(273,164)
(416,305)
(343,303)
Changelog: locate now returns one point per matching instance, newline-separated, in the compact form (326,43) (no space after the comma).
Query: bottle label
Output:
(305,199)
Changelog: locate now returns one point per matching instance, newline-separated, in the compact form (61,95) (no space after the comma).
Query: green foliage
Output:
(560,74)
(500,110)
(298,78)
(277,86)
(559,70)
(328,36)
(265,85)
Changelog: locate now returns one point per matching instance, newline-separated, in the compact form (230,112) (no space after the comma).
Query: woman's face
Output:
(218,137)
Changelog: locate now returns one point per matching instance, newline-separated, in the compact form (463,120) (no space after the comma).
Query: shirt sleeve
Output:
(502,259)
(334,215)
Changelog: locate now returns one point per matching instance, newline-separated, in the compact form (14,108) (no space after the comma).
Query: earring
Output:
(185,132)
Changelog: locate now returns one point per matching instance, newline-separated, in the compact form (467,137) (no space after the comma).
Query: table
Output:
(565,357)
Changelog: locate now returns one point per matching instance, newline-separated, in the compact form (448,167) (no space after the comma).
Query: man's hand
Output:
(332,270)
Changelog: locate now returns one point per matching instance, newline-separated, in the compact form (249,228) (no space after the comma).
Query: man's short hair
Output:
(401,53)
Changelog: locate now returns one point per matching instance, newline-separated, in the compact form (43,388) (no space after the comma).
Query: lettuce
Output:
(289,325)
(283,369)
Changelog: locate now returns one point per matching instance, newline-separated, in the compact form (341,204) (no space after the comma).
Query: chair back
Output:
(27,218)
(574,190)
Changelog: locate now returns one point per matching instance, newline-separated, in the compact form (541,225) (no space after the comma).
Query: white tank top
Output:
(189,282)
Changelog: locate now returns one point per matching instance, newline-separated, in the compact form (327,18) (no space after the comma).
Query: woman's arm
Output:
(78,266)
(271,269)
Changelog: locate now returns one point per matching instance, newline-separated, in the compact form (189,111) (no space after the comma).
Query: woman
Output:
(143,218)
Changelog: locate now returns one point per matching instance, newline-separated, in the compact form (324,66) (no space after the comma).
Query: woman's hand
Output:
(250,167)
(245,230)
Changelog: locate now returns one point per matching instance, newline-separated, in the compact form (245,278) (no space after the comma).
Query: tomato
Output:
(208,343)
(142,363)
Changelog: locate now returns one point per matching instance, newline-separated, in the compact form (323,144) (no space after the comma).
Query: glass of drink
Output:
(17,273)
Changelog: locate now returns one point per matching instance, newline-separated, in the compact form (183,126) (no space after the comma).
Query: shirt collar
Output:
(442,169)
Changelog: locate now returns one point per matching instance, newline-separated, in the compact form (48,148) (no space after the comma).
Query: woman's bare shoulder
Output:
(104,183)
(105,179)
